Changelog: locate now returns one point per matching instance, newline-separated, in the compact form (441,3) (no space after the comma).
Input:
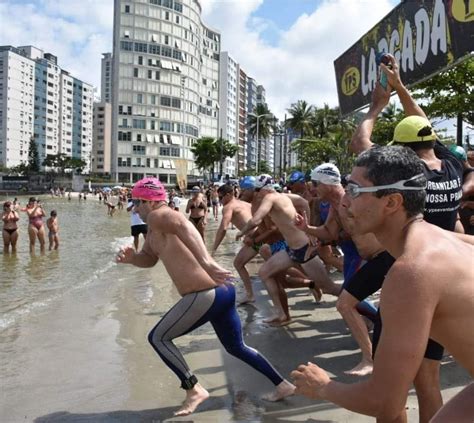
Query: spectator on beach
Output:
(174,198)
(137,225)
(110,208)
(35,213)
(53,227)
(215,202)
(386,196)
(197,210)
(207,295)
(10,218)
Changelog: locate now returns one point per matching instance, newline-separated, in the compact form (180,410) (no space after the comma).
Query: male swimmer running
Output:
(206,296)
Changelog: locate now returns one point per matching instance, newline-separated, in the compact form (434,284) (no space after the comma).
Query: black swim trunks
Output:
(139,229)
(298,255)
(369,278)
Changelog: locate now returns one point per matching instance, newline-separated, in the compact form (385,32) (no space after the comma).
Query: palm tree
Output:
(300,120)
(323,120)
(265,121)
(260,122)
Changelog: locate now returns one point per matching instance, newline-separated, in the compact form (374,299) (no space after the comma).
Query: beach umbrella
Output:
(107,189)
(117,187)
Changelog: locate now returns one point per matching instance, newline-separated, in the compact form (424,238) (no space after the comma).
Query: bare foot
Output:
(317,294)
(280,322)
(271,319)
(194,397)
(364,368)
(246,300)
(283,390)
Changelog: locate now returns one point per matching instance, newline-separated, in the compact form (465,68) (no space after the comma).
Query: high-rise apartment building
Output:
(228,98)
(266,145)
(106,78)
(242,122)
(165,87)
(102,136)
(251,105)
(41,101)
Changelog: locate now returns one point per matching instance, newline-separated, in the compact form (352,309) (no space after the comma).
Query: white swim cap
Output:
(263,181)
(327,173)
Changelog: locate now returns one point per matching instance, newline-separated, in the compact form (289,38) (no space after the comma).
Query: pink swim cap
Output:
(149,189)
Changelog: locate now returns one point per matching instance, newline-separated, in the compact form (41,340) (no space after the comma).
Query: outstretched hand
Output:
(125,255)
(301,221)
(310,380)
(216,272)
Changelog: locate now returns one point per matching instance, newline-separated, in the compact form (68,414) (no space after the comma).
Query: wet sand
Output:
(87,359)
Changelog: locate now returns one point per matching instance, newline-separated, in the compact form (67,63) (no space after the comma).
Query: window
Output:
(176,103)
(174,152)
(165,151)
(165,126)
(167,39)
(139,123)
(127,8)
(140,60)
(153,99)
(157,75)
(166,51)
(167,16)
(139,149)
(154,49)
(139,98)
(178,7)
(135,72)
(150,74)
(165,101)
(139,137)
(141,47)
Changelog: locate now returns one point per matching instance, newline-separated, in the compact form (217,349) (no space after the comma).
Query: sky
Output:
(288,46)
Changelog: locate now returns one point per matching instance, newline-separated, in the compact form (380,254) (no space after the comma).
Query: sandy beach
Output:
(86,358)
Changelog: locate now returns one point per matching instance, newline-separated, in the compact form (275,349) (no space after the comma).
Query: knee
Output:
(343,306)
(238,263)
(154,337)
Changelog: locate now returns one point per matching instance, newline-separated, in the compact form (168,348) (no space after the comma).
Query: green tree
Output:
(263,167)
(323,120)
(450,94)
(33,157)
(265,121)
(225,149)
(300,117)
(207,151)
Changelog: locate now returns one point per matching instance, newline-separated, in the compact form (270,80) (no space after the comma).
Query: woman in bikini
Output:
(10,228)
(35,213)
(198,210)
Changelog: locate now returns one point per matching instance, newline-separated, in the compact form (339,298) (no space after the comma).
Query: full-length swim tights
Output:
(216,305)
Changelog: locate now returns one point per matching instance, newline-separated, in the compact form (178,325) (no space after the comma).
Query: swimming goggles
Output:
(354,190)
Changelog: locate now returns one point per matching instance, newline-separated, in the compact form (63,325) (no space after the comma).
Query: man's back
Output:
(241,212)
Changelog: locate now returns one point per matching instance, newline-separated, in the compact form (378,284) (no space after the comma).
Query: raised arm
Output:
(360,140)
(410,107)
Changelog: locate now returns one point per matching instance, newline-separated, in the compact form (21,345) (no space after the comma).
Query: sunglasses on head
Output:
(353,190)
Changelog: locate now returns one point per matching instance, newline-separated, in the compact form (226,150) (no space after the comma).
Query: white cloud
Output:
(298,66)
(76,32)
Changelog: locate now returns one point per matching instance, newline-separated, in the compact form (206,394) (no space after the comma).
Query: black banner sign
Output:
(424,36)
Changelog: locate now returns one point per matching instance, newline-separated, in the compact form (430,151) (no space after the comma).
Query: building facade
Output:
(41,101)
(106,78)
(102,136)
(165,87)
(242,132)
(228,117)
(251,105)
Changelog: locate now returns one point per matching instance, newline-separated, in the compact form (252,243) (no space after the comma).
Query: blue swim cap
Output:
(248,182)
(459,152)
(296,176)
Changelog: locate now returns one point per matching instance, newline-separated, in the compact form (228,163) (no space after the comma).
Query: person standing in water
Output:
(206,296)
(10,227)
(35,213)
(53,227)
